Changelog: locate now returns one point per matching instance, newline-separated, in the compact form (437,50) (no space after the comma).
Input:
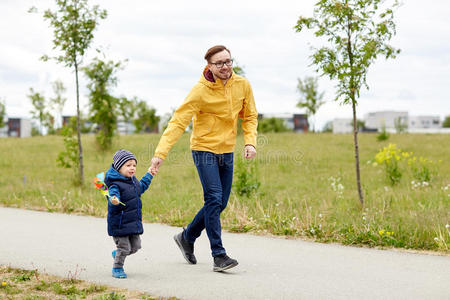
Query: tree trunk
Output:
(80,148)
(353,99)
(355,138)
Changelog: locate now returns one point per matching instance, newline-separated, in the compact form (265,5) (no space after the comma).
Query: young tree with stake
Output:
(357,32)
(310,97)
(73,24)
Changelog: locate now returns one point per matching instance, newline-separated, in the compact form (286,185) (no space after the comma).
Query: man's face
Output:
(223,73)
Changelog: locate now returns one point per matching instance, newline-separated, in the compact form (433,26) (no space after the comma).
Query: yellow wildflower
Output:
(3,283)
(381,232)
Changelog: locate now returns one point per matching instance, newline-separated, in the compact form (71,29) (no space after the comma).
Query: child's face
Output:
(128,169)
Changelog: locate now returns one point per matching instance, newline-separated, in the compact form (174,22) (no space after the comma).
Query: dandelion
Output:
(3,283)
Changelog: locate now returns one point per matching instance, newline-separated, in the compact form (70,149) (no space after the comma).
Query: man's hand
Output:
(114,200)
(249,151)
(154,167)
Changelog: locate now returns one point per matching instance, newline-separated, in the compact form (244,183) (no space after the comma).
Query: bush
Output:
(272,125)
(247,181)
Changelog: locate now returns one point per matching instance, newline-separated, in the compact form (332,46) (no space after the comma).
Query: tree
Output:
(357,32)
(127,108)
(328,127)
(400,125)
(310,98)
(58,101)
(238,69)
(2,114)
(39,113)
(73,25)
(103,106)
(360,124)
(146,119)
(446,123)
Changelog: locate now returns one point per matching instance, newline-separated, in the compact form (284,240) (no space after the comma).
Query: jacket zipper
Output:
(137,203)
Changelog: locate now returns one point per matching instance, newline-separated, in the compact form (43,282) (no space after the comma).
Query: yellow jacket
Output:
(214,109)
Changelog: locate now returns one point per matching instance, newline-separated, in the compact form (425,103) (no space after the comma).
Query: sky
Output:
(163,44)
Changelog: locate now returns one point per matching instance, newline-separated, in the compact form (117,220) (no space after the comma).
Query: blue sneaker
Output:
(118,273)
(114,254)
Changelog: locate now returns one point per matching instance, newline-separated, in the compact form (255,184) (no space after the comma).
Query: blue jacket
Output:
(125,220)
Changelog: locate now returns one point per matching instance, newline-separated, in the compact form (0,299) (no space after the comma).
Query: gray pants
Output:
(126,245)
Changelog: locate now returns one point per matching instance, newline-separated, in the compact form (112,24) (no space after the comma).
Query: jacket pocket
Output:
(120,220)
(204,124)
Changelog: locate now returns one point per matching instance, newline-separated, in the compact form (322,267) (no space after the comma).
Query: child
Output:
(125,221)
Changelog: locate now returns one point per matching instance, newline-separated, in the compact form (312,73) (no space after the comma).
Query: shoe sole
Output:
(220,269)
(181,248)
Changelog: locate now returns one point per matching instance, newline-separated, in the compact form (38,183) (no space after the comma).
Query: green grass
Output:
(33,285)
(296,196)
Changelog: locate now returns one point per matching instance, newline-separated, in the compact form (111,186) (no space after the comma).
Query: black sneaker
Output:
(186,248)
(223,262)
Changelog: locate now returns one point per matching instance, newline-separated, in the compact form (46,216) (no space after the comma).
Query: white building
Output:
(16,127)
(387,119)
(342,125)
(4,131)
(424,122)
(125,127)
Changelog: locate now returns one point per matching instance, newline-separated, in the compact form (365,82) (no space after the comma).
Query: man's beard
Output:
(222,76)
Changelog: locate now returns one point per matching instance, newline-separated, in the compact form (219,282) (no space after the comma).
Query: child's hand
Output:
(151,171)
(114,200)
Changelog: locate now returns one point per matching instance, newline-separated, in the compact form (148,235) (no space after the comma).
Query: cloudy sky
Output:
(164,43)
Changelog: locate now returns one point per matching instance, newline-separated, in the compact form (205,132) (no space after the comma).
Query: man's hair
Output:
(213,50)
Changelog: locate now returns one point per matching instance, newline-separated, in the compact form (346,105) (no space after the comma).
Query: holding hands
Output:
(249,153)
(154,167)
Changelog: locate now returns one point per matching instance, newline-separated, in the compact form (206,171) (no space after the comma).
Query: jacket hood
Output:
(207,79)
(113,174)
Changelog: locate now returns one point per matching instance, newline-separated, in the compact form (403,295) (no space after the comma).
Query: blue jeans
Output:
(216,176)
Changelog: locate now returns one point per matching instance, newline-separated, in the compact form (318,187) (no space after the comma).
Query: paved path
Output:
(270,268)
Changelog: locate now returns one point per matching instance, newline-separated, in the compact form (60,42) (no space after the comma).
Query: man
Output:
(214,104)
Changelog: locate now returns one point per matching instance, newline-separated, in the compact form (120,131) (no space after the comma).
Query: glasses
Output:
(220,64)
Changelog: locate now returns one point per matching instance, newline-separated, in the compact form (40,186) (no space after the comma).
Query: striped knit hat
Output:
(121,157)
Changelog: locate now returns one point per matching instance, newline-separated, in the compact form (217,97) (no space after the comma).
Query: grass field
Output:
(307,187)
(34,285)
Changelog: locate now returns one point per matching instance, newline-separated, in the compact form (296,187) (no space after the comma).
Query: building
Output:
(385,119)
(415,122)
(4,131)
(295,122)
(342,125)
(16,127)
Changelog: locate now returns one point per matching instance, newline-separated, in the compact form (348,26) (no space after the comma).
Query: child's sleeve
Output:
(145,182)
(114,191)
